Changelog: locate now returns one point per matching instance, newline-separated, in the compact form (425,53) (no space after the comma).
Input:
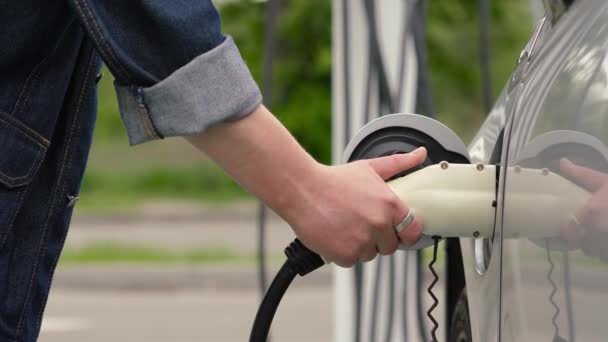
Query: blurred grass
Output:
(112,253)
(120,177)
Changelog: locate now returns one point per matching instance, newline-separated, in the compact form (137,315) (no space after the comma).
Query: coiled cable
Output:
(429,313)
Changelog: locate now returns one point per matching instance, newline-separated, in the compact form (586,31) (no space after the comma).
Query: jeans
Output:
(176,74)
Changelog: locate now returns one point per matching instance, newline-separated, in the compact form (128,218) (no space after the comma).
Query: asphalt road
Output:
(233,229)
(181,316)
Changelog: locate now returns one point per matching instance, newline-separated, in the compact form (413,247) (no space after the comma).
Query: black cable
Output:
(419,304)
(429,313)
(262,247)
(484,51)
(271,13)
(270,303)
(300,260)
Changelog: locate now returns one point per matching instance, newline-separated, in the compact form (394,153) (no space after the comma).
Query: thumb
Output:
(387,167)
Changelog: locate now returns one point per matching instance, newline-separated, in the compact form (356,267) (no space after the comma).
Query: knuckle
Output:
(351,256)
(361,240)
(389,248)
(378,222)
(390,199)
(352,252)
(342,262)
(369,257)
(383,251)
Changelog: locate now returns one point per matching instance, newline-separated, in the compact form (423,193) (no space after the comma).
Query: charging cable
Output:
(300,260)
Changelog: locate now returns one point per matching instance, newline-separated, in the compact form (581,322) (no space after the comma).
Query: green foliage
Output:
(453,56)
(302,67)
(108,187)
(302,91)
(109,126)
(302,70)
(112,253)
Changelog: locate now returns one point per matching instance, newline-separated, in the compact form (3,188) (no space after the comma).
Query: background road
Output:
(181,316)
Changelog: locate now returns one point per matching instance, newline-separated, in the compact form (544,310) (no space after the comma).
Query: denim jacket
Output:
(176,74)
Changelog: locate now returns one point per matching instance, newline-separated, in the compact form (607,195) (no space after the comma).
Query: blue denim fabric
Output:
(176,74)
(51,53)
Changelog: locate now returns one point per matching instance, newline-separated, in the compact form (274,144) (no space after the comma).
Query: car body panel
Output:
(549,290)
(535,290)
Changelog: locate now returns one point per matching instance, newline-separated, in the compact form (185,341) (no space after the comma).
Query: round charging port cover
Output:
(403,133)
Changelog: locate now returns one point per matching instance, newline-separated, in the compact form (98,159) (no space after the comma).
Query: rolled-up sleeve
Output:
(176,73)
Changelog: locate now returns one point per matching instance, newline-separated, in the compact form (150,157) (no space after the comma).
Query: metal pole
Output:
(271,11)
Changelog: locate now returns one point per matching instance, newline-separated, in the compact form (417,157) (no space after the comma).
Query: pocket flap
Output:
(21,153)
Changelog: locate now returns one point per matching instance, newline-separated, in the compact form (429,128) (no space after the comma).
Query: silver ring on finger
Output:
(406,222)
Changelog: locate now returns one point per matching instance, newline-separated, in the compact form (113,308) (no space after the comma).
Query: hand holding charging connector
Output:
(451,196)
(351,213)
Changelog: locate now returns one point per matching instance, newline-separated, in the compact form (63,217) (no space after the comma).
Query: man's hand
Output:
(349,213)
(345,213)
(589,226)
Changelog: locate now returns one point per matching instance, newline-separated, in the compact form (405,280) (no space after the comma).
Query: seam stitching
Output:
(9,179)
(100,41)
(24,94)
(144,114)
(18,199)
(67,155)
(25,130)
(105,41)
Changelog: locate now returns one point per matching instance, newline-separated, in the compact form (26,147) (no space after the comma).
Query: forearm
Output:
(260,154)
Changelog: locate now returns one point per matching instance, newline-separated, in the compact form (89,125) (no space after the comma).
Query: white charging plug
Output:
(459,200)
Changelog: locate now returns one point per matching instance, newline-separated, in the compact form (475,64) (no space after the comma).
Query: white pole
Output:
(391,21)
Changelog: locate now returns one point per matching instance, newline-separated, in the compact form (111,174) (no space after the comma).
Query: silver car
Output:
(552,115)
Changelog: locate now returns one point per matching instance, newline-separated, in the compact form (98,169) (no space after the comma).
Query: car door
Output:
(554,284)
(482,257)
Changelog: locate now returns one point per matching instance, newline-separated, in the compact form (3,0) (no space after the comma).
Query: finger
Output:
(387,241)
(573,231)
(412,233)
(368,254)
(387,167)
(585,177)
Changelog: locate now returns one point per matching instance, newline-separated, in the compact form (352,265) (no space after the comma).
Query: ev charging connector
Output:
(458,200)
